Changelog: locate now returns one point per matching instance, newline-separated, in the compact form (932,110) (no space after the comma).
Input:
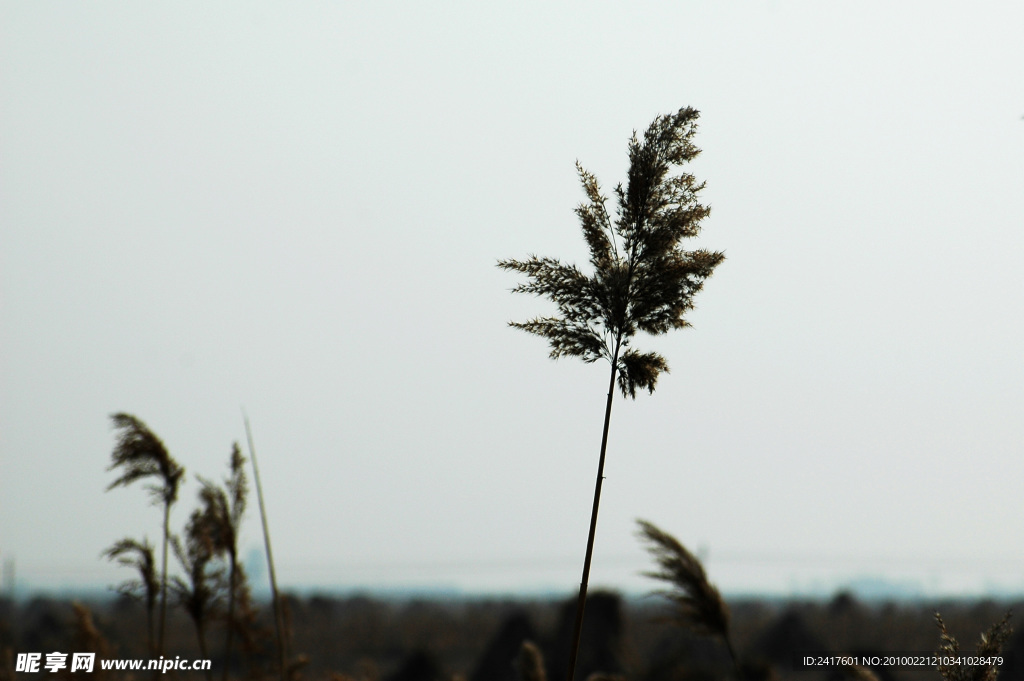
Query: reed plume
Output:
(140,454)
(200,594)
(990,645)
(224,509)
(138,555)
(697,604)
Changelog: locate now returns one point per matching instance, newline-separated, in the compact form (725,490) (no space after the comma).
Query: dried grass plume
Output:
(990,644)
(698,604)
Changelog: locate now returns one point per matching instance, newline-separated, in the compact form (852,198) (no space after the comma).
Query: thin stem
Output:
(581,603)
(233,577)
(150,641)
(278,627)
(163,577)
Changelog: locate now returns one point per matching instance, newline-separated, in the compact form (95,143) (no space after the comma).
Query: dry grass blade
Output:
(698,605)
(279,628)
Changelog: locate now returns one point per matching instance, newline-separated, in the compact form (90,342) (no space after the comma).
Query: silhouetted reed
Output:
(990,645)
(131,553)
(224,509)
(140,454)
(697,604)
(642,281)
(279,626)
(201,592)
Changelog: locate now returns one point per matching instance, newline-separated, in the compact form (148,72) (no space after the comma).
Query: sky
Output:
(296,209)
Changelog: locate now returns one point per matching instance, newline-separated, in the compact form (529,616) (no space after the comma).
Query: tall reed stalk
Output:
(642,279)
(282,655)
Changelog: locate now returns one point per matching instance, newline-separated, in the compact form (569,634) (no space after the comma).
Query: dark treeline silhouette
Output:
(357,638)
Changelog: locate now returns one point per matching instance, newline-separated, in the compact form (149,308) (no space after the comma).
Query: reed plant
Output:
(208,551)
(990,646)
(139,555)
(641,280)
(200,593)
(224,510)
(138,455)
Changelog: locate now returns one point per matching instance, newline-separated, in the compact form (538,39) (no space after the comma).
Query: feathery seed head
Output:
(698,604)
(642,279)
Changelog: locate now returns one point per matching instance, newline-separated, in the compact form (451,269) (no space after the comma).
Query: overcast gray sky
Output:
(297,207)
